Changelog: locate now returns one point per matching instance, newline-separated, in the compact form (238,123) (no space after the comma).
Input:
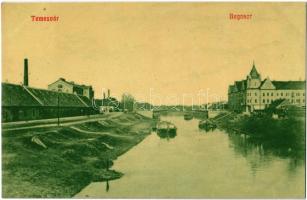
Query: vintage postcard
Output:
(153,100)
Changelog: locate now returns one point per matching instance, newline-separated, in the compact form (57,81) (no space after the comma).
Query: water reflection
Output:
(107,186)
(260,154)
(215,165)
(206,129)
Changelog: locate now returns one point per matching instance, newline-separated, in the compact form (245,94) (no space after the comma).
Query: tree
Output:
(128,102)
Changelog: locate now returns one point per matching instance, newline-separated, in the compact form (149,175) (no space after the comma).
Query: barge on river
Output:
(166,129)
(188,116)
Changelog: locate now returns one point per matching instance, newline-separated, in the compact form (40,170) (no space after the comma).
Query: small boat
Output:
(207,124)
(166,129)
(188,116)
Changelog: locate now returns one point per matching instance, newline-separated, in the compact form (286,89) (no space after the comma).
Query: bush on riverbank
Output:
(60,161)
(287,135)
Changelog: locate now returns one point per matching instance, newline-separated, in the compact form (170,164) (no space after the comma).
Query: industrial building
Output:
(21,102)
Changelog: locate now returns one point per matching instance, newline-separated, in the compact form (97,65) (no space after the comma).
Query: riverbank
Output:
(60,161)
(284,137)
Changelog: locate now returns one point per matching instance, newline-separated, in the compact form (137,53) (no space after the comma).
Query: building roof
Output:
(240,85)
(289,85)
(98,102)
(279,85)
(17,95)
(110,101)
(254,73)
(231,89)
(72,83)
(85,100)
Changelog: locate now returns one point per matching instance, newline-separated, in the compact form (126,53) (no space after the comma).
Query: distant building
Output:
(221,105)
(254,94)
(107,104)
(20,102)
(61,85)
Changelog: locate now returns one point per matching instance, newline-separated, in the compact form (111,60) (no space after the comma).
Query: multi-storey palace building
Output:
(254,94)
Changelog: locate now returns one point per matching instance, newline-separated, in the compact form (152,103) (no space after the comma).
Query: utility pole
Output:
(58,109)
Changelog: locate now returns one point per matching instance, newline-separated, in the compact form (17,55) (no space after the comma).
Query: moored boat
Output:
(188,116)
(166,129)
(207,124)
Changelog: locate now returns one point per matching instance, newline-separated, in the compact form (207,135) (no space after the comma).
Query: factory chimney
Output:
(104,95)
(108,93)
(26,73)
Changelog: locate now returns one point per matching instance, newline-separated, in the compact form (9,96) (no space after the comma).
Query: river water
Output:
(200,164)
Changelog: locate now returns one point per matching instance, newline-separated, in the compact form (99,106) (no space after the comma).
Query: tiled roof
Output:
(86,100)
(17,95)
(50,98)
(289,85)
(279,85)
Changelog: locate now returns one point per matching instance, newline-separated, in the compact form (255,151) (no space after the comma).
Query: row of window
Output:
(270,100)
(277,94)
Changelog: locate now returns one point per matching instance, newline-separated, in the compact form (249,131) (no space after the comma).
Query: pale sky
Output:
(169,49)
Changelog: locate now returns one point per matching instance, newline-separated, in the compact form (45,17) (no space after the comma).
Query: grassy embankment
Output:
(285,137)
(60,161)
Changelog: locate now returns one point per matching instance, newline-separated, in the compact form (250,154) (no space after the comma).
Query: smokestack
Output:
(26,73)
(108,93)
(104,95)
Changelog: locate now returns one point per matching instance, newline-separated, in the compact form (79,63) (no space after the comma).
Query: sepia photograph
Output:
(153,100)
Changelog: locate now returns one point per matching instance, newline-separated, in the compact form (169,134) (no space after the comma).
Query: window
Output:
(263,94)
(303,93)
(271,93)
(298,100)
(268,94)
(255,93)
(281,94)
(277,94)
(60,86)
(268,100)
(298,94)
(255,100)
(263,101)
(287,94)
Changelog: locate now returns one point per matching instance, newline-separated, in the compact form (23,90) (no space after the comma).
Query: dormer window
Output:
(60,86)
